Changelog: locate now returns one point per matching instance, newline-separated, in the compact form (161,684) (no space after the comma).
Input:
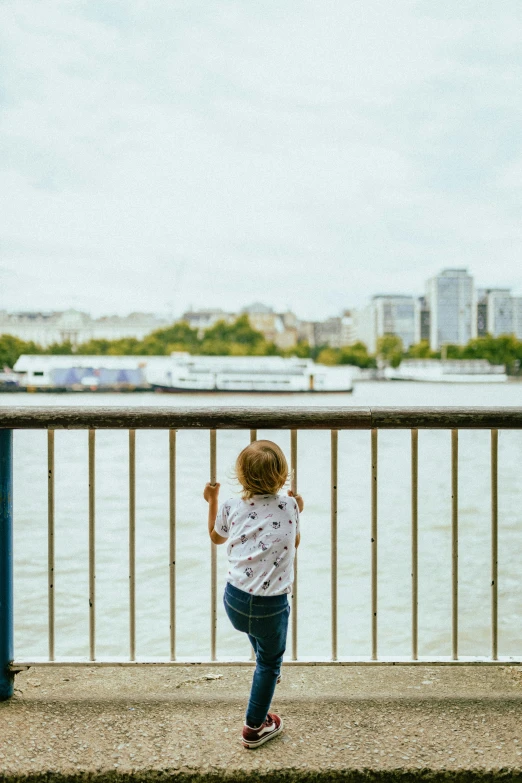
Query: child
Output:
(262,530)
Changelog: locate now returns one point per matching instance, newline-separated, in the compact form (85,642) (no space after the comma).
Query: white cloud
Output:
(299,153)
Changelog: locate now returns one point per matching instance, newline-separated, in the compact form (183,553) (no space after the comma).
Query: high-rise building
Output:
(389,314)
(453,312)
(499,312)
(424,316)
(517,317)
(482,312)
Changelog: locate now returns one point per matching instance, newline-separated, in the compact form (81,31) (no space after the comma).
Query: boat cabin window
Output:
(37,372)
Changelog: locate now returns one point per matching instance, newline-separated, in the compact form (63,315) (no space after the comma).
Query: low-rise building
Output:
(335,332)
(76,327)
(328,332)
(305,332)
(278,328)
(204,319)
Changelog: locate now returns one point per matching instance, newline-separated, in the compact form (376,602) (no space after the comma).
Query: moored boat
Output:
(186,373)
(447,371)
(179,372)
(37,372)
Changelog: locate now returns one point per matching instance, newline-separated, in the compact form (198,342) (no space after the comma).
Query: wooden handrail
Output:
(254,418)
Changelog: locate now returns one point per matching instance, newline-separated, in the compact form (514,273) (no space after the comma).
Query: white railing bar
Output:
(494,544)
(213,557)
(374,544)
(414,544)
(455,544)
(172,542)
(132,545)
(334,539)
(293,487)
(50,539)
(92,541)
(333,570)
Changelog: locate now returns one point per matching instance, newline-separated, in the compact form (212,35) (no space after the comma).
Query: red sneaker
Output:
(253,738)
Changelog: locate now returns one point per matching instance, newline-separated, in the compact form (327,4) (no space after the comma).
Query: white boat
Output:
(447,371)
(80,372)
(247,374)
(9,379)
(181,372)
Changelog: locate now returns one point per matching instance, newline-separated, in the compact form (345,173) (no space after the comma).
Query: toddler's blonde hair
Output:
(261,469)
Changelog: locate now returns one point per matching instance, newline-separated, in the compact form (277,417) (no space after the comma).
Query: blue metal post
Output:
(6,564)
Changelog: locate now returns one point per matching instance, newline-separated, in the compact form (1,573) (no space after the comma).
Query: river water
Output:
(193,548)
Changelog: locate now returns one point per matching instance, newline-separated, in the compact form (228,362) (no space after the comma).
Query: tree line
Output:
(505,349)
(239,338)
(223,338)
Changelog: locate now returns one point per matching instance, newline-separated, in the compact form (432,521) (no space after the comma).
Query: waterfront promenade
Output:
(445,722)
(368,718)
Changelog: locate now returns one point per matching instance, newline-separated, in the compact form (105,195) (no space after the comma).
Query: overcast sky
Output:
(156,155)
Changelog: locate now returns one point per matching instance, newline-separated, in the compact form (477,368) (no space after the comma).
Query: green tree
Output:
(356,355)
(451,351)
(98,347)
(237,338)
(178,337)
(60,348)
(505,349)
(328,356)
(302,350)
(422,351)
(125,346)
(389,349)
(239,331)
(11,348)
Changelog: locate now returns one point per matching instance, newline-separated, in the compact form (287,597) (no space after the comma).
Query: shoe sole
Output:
(266,738)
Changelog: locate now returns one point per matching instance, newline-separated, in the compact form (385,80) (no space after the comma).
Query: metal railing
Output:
(253,419)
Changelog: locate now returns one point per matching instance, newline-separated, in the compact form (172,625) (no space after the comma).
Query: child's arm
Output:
(211,495)
(298,499)
(300,505)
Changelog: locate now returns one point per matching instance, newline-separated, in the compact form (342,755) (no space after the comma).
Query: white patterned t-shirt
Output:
(261,536)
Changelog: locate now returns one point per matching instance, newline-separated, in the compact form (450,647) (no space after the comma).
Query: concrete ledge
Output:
(450,723)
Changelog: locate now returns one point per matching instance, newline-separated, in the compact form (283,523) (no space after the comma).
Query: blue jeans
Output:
(265,620)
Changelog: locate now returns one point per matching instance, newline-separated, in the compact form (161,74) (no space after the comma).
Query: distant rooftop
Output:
(71,313)
(203,311)
(392,296)
(257,308)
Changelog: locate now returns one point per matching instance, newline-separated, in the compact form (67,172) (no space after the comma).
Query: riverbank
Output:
(342,722)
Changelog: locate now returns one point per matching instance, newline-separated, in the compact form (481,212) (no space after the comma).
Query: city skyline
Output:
(159,156)
(453,311)
(264,303)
